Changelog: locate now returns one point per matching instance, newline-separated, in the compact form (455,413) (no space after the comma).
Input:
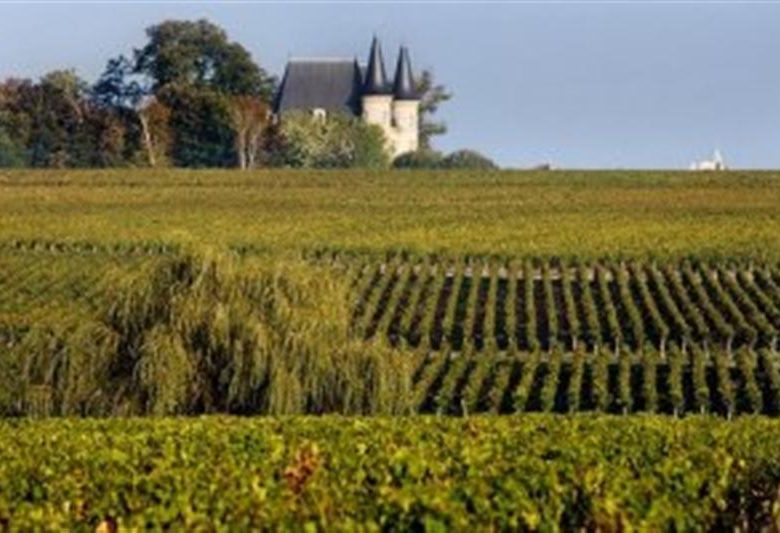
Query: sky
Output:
(654,84)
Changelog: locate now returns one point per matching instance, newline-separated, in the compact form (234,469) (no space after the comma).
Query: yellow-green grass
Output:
(568,214)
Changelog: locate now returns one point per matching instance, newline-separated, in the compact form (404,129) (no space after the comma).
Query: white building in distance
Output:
(716,163)
(328,85)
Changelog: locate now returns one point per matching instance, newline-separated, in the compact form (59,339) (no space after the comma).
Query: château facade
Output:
(325,85)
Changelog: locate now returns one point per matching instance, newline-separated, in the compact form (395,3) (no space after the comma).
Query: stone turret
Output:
(377,97)
(406,106)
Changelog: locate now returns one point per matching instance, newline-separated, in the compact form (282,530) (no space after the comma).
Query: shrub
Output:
(468,159)
(420,159)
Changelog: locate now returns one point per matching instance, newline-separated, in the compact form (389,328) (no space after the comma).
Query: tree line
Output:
(189,97)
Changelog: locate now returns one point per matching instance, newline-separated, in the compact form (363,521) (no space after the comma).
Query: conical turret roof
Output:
(376,77)
(404,87)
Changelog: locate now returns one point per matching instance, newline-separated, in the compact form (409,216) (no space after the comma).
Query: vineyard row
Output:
(541,306)
(699,381)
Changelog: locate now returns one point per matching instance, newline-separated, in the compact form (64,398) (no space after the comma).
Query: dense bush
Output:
(420,159)
(511,473)
(432,159)
(468,160)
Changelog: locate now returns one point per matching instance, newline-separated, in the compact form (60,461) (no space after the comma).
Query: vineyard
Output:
(366,300)
(510,292)
(541,336)
(495,335)
(539,305)
(531,473)
(578,215)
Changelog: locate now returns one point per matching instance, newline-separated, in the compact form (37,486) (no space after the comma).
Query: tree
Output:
(201,127)
(468,159)
(117,88)
(198,54)
(249,116)
(197,73)
(14,125)
(432,96)
(120,97)
(340,141)
(54,123)
(54,115)
(155,118)
(11,152)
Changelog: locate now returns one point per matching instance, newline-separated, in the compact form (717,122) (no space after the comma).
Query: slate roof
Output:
(339,84)
(330,84)
(404,87)
(376,78)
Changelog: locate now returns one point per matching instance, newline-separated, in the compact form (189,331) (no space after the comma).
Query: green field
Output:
(590,215)
(137,292)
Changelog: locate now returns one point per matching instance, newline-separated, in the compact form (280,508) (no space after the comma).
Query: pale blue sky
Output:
(583,85)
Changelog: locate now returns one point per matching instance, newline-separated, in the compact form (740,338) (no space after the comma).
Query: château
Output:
(331,85)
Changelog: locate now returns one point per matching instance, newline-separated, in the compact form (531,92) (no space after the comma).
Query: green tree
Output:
(52,119)
(199,54)
(201,126)
(14,126)
(12,153)
(195,72)
(117,88)
(432,96)
(340,141)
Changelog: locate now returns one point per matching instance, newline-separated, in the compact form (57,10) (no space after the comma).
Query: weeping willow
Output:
(203,333)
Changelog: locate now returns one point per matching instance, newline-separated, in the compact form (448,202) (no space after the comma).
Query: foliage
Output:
(340,141)
(203,132)
(431,159)
(467,160)
(174,102)
(198,54)
(11,151)
(53,294)
(540,472)
(419,159)
(192,335)
(250,117)
(154,118)
(433,95)
(52,123)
